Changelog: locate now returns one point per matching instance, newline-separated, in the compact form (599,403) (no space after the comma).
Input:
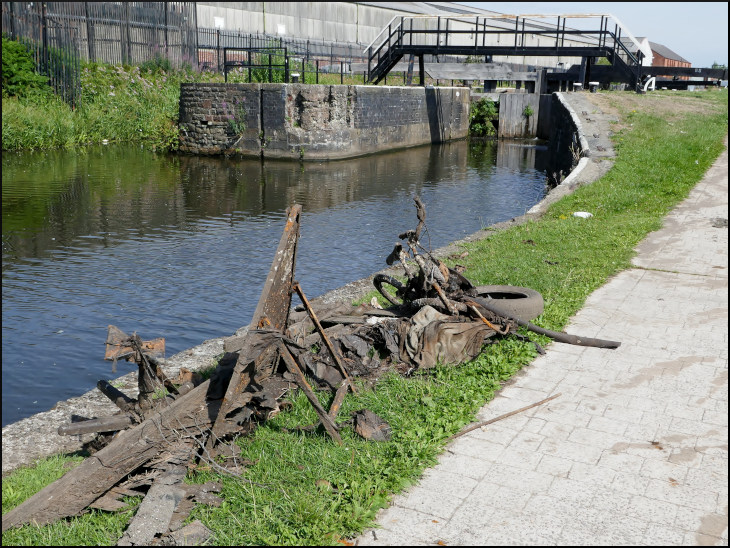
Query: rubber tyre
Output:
(380,279)
(526,304)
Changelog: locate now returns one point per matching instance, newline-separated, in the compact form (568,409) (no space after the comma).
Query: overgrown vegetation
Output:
(310,491)
(19,76)
(481,117)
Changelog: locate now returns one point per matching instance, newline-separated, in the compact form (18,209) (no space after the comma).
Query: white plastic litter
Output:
(583,214)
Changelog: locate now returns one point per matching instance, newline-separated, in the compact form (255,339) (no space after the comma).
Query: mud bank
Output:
(36,437)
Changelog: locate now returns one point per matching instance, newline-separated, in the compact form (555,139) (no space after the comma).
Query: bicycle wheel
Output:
(379,280)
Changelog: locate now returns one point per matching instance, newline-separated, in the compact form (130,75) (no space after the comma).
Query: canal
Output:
(178,247)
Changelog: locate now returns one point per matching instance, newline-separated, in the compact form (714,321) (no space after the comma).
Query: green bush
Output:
(19,76)
(481,115)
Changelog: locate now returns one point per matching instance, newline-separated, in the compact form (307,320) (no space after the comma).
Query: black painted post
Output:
(316,67)
(89,33)
(164,5)
(421,71)
(44,38)
(582,76)
(342,73)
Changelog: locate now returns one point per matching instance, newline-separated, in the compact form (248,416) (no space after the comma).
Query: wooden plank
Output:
(272,311)
(154,514)
(79,487)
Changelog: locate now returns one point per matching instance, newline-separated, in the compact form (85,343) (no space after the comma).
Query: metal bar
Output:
(294,369)
(119,398)
(495,419)
(325,338)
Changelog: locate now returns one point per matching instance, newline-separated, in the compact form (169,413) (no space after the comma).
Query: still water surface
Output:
(178,247)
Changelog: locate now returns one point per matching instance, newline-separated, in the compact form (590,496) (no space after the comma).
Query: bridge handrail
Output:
(617,50)
(624,31)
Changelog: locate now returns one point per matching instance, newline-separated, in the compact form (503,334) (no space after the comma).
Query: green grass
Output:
(125,104)
(118,104)
(314,492)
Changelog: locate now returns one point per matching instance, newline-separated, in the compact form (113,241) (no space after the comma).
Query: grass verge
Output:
(313,492)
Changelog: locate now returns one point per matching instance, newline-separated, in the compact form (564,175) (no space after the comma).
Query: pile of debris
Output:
(437,316)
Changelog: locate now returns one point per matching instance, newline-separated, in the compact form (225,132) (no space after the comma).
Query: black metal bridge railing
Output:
(505,35)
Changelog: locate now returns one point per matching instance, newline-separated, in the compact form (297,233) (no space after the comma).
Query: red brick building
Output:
(665,57)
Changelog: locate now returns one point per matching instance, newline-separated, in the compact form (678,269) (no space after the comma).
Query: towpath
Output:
(634,451)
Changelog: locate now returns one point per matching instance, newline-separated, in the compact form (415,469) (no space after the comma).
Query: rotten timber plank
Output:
(78,488)
(154,514)
(272,311)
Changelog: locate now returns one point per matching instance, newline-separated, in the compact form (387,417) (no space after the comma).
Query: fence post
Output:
(90,45)
(128,52)
(167,54)
(316,64)
(44,39)
(342,74)
(11,10)
(218,49)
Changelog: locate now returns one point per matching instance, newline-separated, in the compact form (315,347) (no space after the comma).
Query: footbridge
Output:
(484,37)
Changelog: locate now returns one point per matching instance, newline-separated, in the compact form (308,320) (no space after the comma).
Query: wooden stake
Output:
(490,421)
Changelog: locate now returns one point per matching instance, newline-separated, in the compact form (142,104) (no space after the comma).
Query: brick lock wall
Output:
(316,121)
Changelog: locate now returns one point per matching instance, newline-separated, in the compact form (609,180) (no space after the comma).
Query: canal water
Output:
(178,247)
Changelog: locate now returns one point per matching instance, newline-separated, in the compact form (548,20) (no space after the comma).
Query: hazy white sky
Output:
(696,31)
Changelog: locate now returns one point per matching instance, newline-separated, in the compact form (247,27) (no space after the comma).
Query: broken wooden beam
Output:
(272,312)
(132,448)
(102,424)
(155,512)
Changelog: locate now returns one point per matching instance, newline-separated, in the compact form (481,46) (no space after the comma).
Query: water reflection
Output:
(178,246)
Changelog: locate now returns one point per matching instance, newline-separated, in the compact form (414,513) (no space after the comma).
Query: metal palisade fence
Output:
(63,35)
(60,35)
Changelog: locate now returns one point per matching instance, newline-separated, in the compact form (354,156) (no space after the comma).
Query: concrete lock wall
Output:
(317,122)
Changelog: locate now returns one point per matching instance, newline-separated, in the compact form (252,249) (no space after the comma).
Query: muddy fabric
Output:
(436,338)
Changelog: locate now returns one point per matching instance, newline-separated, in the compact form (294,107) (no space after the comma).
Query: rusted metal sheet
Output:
(118,346)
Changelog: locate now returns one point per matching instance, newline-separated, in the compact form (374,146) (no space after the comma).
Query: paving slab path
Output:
(635,449)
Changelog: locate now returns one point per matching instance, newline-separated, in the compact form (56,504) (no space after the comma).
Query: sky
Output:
(696,31)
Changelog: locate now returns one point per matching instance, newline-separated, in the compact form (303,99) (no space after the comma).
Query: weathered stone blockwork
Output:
(317,122)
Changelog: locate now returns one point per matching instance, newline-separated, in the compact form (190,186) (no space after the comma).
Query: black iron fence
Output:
(62,35)
(53,44)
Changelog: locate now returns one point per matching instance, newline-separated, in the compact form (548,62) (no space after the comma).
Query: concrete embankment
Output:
(36,437)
